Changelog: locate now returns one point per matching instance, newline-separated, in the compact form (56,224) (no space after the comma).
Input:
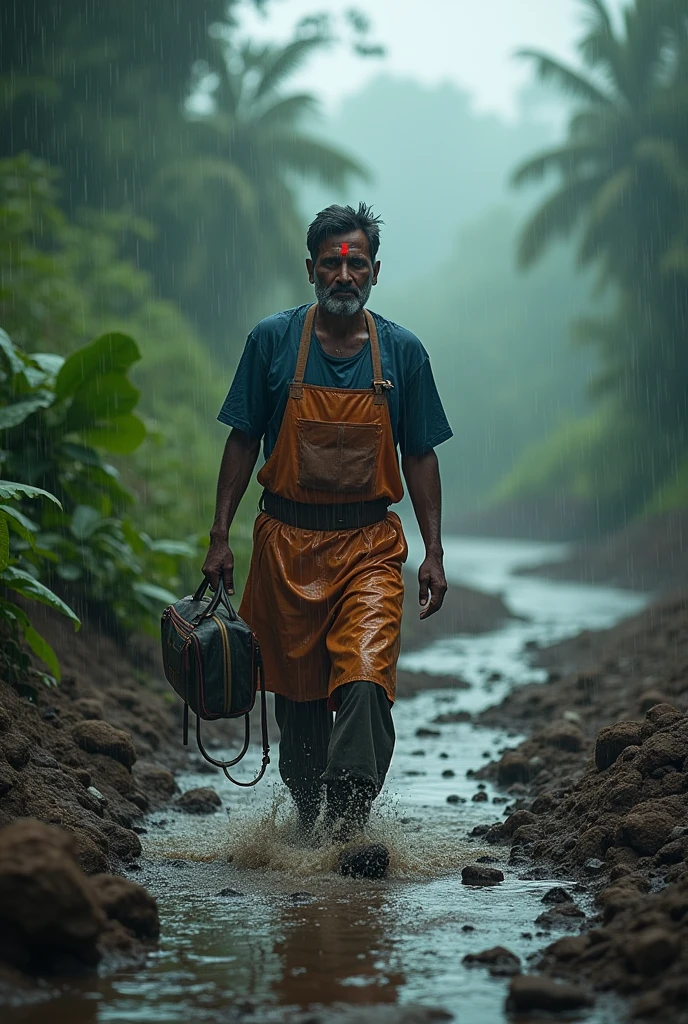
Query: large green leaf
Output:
(42,648)
(19,523)
(12,613)
(25,584)
(99,400)
(13,415)
(155,593)
(85,521)
(49,362)
(11,353)
(121,436)
(12,489)
(111,353)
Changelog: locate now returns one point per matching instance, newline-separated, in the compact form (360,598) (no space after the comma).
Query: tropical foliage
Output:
(15,624)
(622,190)
(115,103)
(58,418)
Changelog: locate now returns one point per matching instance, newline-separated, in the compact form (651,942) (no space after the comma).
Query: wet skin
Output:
(343,267)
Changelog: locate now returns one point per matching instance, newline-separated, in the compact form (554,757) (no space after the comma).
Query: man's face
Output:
(343,274)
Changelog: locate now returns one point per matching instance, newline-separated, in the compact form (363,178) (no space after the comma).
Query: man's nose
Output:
(344,275)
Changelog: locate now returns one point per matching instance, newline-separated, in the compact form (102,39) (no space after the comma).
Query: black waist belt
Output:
(348,516)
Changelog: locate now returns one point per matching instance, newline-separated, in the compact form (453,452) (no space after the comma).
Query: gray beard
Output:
(339,305)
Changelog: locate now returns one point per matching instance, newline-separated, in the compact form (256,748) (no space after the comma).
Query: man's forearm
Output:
(422,475)
(238,461)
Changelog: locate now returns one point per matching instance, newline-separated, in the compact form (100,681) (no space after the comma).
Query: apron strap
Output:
(296,386)
(379,385)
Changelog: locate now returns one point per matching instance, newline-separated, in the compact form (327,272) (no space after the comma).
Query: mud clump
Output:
(198,801)
(50,918)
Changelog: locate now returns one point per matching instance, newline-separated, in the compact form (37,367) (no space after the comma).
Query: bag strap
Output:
(296,386)
(224,765)
(219,597)
(264,735)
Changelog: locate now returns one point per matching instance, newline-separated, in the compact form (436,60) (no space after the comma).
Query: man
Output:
(332,390)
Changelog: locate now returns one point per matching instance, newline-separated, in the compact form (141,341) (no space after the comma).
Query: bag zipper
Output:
(226,647)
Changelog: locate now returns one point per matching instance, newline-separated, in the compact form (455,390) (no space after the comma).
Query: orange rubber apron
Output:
(326,604)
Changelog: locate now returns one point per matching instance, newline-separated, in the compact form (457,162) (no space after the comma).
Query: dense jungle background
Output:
(157,171)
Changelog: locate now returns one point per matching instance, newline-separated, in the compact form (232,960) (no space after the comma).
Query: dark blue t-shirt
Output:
(259,391)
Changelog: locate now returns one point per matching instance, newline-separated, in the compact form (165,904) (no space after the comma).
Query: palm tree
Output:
(231,205)
(622,190)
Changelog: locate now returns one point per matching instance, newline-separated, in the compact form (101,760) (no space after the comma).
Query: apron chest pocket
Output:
(338,456)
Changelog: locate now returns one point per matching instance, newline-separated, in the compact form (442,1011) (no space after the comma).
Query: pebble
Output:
(230,892)
(478,874)
(557,895)
(454,798)
(593,866)
(532,992)
(448,773)
(479,797)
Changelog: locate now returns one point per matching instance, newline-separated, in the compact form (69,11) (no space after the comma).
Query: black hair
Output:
(339,220)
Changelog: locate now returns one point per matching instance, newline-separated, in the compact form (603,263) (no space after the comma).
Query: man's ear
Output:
(309,268)
(376,271)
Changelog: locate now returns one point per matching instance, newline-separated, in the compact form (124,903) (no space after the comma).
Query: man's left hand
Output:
(432,585)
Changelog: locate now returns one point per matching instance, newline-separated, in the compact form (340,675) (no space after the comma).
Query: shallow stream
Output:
(290,935)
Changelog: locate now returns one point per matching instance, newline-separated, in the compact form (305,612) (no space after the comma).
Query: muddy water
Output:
(288,935)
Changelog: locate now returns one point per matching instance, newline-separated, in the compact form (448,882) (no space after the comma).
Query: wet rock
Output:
(426,734)
(613,739)
(302,897)
(369,860)
(512,768)
(593,843)
(533,992)
(48,917)
(89,708)
(17,751)
(448,773)
(650,699)
(198,801)
(97,737)
(564,735)
(454,798)
(478,874)
(568,948)
(229,892)
(157,783)
(91,857)
(479,797)
(652,950)
(124,901)
(500,961)
(122,841)
(557,895)
(673,852)
(647,827)
(593,866)
(505,830)
(662,749)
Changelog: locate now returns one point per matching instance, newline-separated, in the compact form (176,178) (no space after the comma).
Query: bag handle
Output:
(219,597)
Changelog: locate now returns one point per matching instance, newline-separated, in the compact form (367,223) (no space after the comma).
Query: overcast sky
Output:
(470,42)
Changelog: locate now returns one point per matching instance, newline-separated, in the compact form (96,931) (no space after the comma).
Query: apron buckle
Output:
(383,385)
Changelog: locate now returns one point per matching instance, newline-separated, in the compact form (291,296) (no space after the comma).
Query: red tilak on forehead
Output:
(344,248)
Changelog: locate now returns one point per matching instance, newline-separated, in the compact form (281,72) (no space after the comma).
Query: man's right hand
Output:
(219,562)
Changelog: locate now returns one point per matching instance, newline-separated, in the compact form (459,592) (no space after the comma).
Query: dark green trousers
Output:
(317,748)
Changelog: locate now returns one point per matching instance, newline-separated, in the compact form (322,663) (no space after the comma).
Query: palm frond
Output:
(556,218)
(194,176)
(287,112)
(600,47)
(309,158)
(568,159)
(664,154)
(279,64)
(569,81)
(600,228)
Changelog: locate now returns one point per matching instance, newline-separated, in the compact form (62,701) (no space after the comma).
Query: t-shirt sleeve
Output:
(423,424)
(246,406)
